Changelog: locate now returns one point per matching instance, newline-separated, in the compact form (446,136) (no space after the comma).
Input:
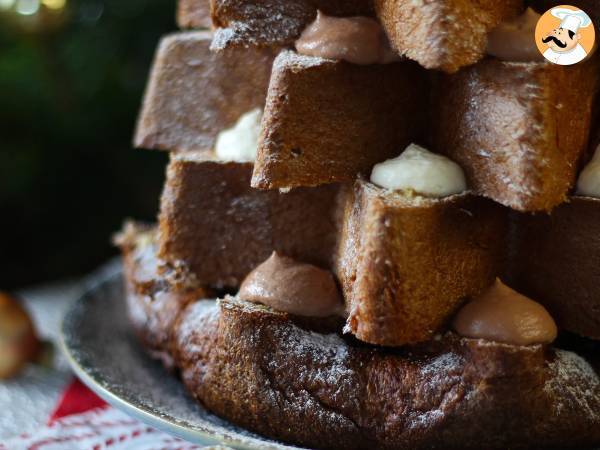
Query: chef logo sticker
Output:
(565,35)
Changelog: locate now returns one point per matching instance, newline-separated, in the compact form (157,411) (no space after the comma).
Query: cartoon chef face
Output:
(561,40)
(566,36)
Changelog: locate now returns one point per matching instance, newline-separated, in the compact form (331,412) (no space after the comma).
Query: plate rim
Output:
(161,423)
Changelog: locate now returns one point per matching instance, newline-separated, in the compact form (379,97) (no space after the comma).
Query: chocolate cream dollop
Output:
(514,39)
(358,40)
(503,315)
(287,285)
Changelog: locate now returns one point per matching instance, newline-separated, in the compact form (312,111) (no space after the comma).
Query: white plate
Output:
(104,353)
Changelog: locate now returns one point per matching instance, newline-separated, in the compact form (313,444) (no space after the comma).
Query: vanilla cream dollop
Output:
(289,286)
(240,142)
(359,40)
(514,39)
(589,179)
(421,171)
(503,315)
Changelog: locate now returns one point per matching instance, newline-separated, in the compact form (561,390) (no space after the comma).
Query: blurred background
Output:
(72,75)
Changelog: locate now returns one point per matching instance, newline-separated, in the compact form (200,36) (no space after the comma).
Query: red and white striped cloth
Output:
(82,421)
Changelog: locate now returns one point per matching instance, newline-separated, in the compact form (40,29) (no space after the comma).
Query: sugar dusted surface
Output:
(568,368)
(100,340)
(292,60)
(329,351)
(275,23)
(442,364)
(196,314)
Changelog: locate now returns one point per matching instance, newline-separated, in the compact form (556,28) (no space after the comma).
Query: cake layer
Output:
(557,260)
(193,14)
(438,34)
(406,264)
(155,295)
(214,224)
(325,121)
(276,22)
(517,129)
(286,378)
(258,369)
(194,93)
(443,34)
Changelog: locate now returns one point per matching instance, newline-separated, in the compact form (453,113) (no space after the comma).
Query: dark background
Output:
(71,82)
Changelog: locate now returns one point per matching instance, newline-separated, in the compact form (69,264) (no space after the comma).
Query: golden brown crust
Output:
(194,93)
(405,265)
(261,371)
(443,34)
(269,373)
(154,298)
(517,129)
(325,121)
(216,225)
(556,261)
(193,14)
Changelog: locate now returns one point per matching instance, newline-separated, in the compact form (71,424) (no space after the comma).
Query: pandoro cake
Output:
(258,368)
(156,295)
(556,257)
(193,14)
(406,263)
(215,225)
(327,121)
(274,22)
(381,244)
(400,257)
(272,370)
(193,92)
(443,34)
(519,139)
(438,34)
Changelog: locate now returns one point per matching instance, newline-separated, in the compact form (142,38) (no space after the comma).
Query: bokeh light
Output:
(71,82)
(7,4)
(54,4)
(28,7)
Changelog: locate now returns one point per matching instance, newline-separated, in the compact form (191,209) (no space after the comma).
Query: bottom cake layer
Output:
(275,375)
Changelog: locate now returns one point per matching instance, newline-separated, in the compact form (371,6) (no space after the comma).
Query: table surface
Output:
(27,401)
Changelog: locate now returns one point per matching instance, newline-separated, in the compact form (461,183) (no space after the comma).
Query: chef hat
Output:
(572,19)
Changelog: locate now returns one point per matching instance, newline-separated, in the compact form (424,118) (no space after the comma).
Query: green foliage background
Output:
(69,97)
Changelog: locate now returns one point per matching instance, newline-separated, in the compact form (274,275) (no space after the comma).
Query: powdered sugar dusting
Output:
(326,381)
(99,338)
(444,370)
(327,354)
(322,348)
(426,418)
(443,364)
(575,385)
(194,315)
(222,38)
(265,23)
(329,358)
(289,59)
